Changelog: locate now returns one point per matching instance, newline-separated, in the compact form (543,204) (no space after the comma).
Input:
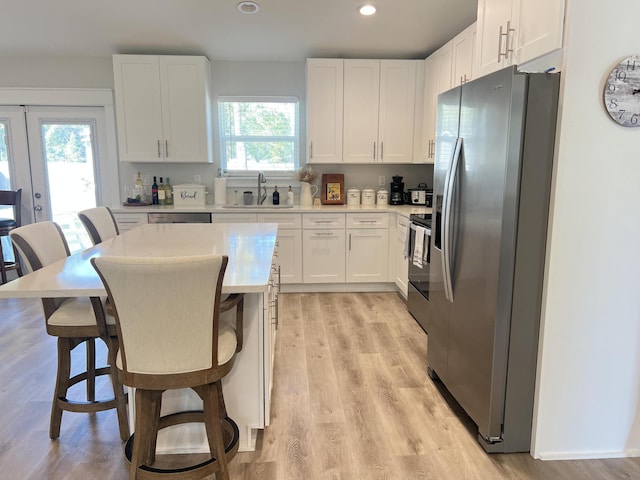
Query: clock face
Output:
(622,92)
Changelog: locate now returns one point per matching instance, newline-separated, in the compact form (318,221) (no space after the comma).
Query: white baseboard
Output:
(585,455)
(337,287)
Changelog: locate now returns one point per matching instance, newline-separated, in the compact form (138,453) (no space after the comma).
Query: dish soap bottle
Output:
(290,196)
(276,196)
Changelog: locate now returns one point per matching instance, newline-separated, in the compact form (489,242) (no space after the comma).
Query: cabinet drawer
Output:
(235,218)
(367,220)
(129,221)
(323,220)
(284,220)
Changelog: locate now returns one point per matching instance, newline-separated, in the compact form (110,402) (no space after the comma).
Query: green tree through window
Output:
(259,135)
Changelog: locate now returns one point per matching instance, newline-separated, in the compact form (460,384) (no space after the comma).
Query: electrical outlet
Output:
(381,181)
(197,179)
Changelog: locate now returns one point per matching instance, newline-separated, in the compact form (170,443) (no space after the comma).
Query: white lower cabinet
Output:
(289,244)
(323,248)
(129,221)
(367,247)
(401,262)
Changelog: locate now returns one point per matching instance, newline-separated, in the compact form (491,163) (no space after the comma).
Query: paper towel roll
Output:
(220,190)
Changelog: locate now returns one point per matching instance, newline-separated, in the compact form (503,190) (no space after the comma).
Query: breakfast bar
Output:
(250,248)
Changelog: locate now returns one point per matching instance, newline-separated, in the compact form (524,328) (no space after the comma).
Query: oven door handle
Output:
(447,224)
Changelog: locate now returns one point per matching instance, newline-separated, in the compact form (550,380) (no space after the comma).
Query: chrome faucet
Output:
(261,196)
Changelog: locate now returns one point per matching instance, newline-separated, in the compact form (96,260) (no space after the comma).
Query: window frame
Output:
(222,139)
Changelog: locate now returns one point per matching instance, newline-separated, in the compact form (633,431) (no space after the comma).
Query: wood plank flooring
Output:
(351,401)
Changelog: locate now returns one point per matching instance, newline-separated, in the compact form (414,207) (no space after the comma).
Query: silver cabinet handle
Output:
(166,148)
(508,48)
(381,151)
(349,242)
(38,208)
(323,234)
(374,150)
(310,150)
(506,34)
(159,154)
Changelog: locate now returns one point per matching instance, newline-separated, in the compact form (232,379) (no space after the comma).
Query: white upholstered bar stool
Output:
(99,224)
(73,321)
(171,338)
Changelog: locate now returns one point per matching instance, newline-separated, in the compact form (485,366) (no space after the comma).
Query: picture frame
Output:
(333,189)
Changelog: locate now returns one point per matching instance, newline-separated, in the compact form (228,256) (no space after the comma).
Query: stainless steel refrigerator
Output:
(492,175)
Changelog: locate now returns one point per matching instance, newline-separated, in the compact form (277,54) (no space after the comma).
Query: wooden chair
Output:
(99,224)
(171,337)
(10,198)
(73,321)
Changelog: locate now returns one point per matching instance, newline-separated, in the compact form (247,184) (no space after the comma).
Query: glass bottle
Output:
(168,192)
(139,189)
(290,196)
(161,193)
(154,192)
(276,196)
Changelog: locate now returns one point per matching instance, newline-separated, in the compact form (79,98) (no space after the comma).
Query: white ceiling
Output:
(283,30)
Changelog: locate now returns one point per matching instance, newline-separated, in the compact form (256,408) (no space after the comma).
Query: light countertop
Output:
(250,249)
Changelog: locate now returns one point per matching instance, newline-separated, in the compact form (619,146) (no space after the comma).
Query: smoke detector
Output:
(248,7)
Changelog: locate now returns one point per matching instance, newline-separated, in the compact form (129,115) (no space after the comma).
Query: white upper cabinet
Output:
(463,44)
(444,61)
(379,103)
(324,110)
(512,32)
(163,108)
(430,98)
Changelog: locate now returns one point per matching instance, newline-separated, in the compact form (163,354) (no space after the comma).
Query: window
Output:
(258,134)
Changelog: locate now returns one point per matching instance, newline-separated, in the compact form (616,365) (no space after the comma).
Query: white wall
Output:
(588,395)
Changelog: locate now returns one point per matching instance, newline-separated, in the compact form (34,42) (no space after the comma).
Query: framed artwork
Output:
(333,189)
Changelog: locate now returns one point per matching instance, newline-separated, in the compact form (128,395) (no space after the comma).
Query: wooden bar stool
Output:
(9,198)
(171,337)
(99,224)
(73,321)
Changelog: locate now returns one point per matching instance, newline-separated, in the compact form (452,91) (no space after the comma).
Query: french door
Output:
(53,154)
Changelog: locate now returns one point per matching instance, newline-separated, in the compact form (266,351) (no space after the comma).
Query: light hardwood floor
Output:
(351,401)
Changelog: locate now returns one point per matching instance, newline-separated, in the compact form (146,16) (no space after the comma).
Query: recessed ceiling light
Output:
(367,10)
(248,7)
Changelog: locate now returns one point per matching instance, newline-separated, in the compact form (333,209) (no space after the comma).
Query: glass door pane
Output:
(64,160)
(68,160)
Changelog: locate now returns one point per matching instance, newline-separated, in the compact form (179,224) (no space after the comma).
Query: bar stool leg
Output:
(118,392)
(62,385)
(90,344)
(211,404)
(3,270)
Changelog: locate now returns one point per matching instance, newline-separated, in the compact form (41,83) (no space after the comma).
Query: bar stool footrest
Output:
(205,468)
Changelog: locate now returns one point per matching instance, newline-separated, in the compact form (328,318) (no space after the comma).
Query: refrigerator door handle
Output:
(447,244)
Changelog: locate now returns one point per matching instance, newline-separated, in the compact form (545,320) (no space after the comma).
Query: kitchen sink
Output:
(257,206)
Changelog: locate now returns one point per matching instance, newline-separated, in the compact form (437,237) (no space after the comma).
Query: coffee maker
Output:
(396,196)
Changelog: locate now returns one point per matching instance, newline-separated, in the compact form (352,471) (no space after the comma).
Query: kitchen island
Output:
(250,248)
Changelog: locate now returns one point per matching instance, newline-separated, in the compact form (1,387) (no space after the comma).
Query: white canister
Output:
(382,197)
(353,196)
(368,197)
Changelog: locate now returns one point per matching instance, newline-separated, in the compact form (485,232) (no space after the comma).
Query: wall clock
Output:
(622,92)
